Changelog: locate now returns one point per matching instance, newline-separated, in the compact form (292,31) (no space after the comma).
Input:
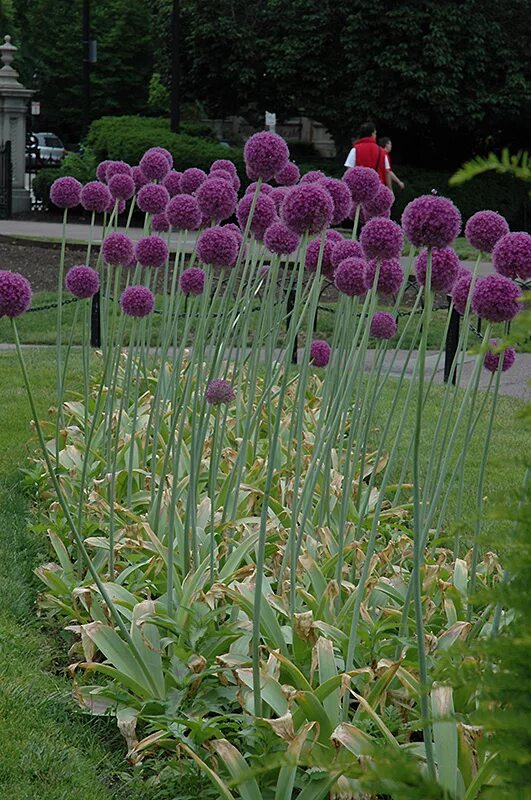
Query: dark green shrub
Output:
(42,183)
(82,167)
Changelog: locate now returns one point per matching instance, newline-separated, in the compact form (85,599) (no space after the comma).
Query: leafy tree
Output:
(6,19)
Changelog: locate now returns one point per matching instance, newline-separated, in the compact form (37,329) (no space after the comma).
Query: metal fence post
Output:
(450,348)
(95,322)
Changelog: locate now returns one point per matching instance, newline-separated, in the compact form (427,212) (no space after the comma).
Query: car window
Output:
(52,141)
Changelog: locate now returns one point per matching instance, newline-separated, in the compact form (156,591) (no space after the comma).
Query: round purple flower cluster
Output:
(264,214)
(445,268)
(95,196)
(183,213)
(431,221)
(288,175)
(192,281)
(265,154)
(313,176)
(265,188)
(117,168)
(224,163)
(307,208)
(216,199)
(363,183)
(191,179)
(495,298)
(492,360)
(345,248)
(341,198)
(222,174)
(381,238)
(236,232)
(383,325)
(138,177)
(219,392)
(320,352)
(512,255)
(151,251)
(172,182)
(121,186)
(278,195)
(101,170)
(312,256)
(461,290)
(152,198)
(82,281)
(350,277)
(155,164)
(160,223)
(334,236)
(65,192)
(137,301)
(380,205)
(279,239)
(15,294)
(390,276)
(218,247)
(117,250)
(484,228)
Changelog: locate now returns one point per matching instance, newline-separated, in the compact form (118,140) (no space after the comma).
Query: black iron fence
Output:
(6,180)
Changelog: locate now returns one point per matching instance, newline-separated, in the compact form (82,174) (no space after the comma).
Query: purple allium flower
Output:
(219,392)
(15,294)
(82,281)
(233,228)
(484,228)
(264,187)
(95,196)
(264,214)
(346,248)
(431,221)
(265,154)
(288,175)
(380,205)
(191,179)
(121,186)
(166,153)
(313,176)
(151,251)
(312,256)
(350,277)
(218,247)
(192,281)
(390,276)
(363,183)
(172,182)
(512,255)
(101,170)
(160,223)
(117,168)
(492,360)
(461,290)
(279,239)
(120,206)
(154,164)
(277,195)
(138,177)
(117,249)
(320,352)
(216,198)
(224,163)
(183,213)
(137,301)
(65,192)
(341,198)
(222,174)
(445,268)
(381,238)
(307,208)
(334,236)
(495,298)
(152,198)
(383,325)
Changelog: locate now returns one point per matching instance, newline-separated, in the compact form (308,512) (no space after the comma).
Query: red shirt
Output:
(370,154)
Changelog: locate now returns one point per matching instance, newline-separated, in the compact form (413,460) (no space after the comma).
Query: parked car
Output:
(43,149)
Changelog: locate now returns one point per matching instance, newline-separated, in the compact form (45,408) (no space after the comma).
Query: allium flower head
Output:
(461,290)
(492,360)
(264,187)
(154,164)
(117,168)
(512,255)
(233,228)
(363,183)
(350,277)
(288,175)
(82,281)
(383,325)
(137,301)
(279,239)
(152,198)
(121,186)
(381,203)
(95,196)
(151,251)
(312,256)
(183,213)
(118,204)
(334,236)
(484,228)
(495,298)
(117,249)
(160,223)
(191,179)
(219,392)
(192,281)
(265,154)
(222,174)
(346,248)
(381,238)
(218,247)
(101,170)
(341,198)
(224,163)
(277,195)
(172,182)
(390,276)
(264,214)
(138,177)
(445,268)
(431,221)
(15,294)
(166,153)
(320,352)
(313,176)
(216,199)
(65,192)
(307,208)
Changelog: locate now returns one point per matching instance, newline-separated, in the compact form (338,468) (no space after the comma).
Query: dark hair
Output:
(384,140)
(367,129)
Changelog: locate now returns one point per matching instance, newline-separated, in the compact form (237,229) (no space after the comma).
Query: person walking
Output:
(387,145)
(366,152)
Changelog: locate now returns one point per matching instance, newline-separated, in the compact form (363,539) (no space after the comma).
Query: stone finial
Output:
(8,75)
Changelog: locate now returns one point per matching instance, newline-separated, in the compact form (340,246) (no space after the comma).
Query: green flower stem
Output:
(212,480)
(356,222)
(58,338)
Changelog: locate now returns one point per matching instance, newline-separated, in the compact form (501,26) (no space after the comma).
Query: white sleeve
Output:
(351,158)
(386,163)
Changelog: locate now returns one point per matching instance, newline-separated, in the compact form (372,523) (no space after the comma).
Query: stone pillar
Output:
(13,109)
